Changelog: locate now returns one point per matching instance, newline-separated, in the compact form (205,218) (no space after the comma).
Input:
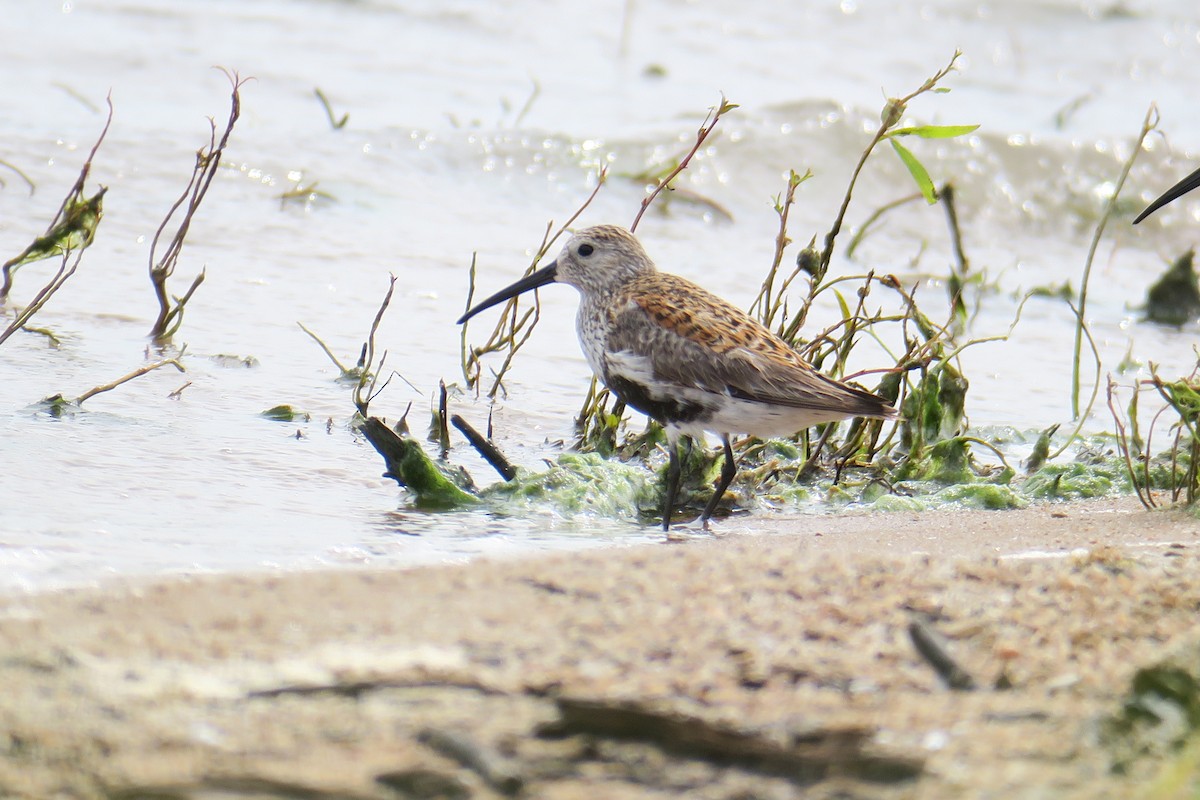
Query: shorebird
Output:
(1175,192)
(684,357)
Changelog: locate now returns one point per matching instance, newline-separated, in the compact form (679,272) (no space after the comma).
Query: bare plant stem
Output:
(336,123)
(65,271)
(364,390)
(706,127)
(324,347)
(10,166)
(874,217)
(1125,446)
(1149,123)
(511,331)
(208,160)
(1081,329)
(893,112)
(486,448)
(763,304)
(137,373)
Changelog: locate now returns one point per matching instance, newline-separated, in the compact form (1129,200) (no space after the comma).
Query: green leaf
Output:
(842,304)
(915,168)
(935,131)
(283,413)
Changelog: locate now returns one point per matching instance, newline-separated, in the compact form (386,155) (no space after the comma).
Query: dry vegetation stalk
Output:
(706,127)
(365,390)
(513,330)
(1149,123)
(162,267)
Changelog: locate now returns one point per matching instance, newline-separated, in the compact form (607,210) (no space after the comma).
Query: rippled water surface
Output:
(469,128)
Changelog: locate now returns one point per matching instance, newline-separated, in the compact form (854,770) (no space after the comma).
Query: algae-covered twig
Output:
(408,465)
(958,275)
(706,127)
(406,462)
(70,262)
(72,229)
(485,448)
(208,160)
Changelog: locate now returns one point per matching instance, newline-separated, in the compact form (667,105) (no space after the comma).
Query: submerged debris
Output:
(1174,299)
(804,757)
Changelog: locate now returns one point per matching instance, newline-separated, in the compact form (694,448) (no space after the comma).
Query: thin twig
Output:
(706,127)
(337,124)
(874,217)
(65,271)
(1125,446)
(893,112)
(511,331)
(324,347)
(208,159)
(1149,123)
(364,390)
(932,648)
(137,373)
(443,423)
(20,174)
(484,446)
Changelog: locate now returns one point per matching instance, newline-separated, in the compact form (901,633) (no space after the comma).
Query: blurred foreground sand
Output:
(739,666)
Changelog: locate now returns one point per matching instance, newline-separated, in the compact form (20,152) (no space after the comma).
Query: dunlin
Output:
(1175,192)
(684,357)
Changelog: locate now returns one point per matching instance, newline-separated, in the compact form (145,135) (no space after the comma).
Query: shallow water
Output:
(469,128)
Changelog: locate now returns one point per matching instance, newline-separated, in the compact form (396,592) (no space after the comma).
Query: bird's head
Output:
(595,261)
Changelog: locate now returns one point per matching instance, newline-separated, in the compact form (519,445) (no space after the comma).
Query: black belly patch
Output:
(662,411)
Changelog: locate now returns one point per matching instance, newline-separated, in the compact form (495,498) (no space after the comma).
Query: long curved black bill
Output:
(547,274)
(1176,191)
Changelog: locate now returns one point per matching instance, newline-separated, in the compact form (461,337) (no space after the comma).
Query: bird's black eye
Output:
(585,250)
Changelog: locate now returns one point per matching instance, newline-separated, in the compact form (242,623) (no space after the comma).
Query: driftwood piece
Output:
(489,451)
(804,757)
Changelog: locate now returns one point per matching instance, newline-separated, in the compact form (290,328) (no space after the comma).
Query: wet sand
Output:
(739,666)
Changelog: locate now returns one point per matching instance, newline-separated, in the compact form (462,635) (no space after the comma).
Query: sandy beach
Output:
(736,666)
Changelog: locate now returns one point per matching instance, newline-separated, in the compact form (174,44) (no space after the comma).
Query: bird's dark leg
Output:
(728,470)
(672,488)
